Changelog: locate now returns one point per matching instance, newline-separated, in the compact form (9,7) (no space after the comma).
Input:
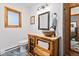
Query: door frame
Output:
(66,29)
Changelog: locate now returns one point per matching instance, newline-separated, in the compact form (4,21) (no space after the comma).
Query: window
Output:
(12,18)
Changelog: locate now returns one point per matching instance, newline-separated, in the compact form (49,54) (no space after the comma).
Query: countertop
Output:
(43,36)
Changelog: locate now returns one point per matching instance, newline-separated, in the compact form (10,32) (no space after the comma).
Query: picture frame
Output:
(32,20)
(12,18)
(44,21)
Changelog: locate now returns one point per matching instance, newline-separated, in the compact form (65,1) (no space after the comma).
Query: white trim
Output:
(2,51)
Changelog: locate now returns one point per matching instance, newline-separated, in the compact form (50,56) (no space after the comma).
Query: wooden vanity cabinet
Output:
(34,49)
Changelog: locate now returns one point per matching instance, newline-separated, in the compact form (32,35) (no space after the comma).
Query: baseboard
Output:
(12,48)
(2,51)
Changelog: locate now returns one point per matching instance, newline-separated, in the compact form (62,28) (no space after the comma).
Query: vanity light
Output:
(42,7)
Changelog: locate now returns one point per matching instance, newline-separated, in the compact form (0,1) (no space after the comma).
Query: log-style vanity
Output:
(41,45)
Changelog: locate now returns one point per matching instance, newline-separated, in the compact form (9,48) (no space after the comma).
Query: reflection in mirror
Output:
(74,29)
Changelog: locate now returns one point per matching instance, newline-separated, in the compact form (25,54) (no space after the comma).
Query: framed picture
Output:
(32,20)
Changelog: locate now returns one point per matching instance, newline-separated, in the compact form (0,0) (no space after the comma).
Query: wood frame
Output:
(6,18)
(66,31)
(49,51)
(48,21)
(43,40)
(32,20)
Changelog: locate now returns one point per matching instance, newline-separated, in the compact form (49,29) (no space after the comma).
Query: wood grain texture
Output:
(6,18)
(53,46)
(66,31)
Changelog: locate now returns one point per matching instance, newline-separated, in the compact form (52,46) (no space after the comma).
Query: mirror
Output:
(74,41)
(43,21)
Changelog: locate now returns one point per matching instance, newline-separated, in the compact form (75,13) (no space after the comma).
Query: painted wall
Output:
(53,8)
(10,37)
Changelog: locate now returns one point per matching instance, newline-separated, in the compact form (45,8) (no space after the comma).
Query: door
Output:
(71,29)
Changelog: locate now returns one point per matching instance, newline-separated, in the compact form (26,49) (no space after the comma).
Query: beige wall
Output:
(53,8)
(10,37)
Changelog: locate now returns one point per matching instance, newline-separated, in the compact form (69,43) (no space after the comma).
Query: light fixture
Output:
(42,7)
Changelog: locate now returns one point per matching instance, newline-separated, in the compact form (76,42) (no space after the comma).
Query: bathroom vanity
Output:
(41,45)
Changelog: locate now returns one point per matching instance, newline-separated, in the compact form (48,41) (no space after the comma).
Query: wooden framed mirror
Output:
(12,18)
(43,21)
